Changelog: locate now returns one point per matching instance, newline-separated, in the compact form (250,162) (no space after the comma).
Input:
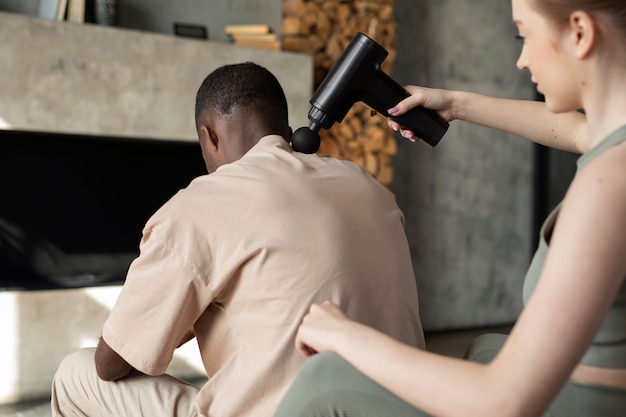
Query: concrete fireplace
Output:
(108,100)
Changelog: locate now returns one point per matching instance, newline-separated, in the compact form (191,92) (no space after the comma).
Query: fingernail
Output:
(409,135)
(393,110)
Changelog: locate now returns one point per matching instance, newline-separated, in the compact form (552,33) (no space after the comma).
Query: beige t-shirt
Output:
(242,253)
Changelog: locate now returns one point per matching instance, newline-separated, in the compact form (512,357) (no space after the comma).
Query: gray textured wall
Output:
(468,202)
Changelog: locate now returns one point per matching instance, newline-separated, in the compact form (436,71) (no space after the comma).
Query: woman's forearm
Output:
(524,118)
(436,384)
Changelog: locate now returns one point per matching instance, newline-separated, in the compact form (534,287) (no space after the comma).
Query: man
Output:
(239,256)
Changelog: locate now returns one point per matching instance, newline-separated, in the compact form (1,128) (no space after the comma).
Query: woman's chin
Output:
(555,107)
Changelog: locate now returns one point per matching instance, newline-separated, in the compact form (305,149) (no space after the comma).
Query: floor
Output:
(451,343)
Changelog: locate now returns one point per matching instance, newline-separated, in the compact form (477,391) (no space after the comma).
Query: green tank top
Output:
(609,346)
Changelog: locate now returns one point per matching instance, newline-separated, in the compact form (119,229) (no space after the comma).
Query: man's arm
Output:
(190,334)
(109,365)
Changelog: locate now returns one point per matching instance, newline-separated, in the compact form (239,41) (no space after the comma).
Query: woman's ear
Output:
(583,32)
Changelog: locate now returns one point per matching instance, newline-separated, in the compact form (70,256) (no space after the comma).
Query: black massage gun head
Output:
(305,140)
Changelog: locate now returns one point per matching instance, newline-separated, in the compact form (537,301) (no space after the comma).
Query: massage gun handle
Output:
(384,93)
(425,124)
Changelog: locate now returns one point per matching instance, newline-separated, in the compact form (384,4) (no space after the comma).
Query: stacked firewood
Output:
(324,28)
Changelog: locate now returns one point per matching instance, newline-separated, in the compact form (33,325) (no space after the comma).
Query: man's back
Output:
(257,242)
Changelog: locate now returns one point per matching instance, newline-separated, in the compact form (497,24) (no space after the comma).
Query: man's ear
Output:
(583,32)
(209,138)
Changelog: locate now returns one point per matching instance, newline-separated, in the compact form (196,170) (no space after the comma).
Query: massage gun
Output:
(357,76)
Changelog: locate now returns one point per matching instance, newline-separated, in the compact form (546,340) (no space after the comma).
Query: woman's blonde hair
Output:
(559,11)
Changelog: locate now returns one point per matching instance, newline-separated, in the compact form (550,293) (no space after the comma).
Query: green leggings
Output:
(328,386)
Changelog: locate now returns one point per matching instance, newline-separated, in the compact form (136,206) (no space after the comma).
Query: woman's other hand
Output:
(321,329)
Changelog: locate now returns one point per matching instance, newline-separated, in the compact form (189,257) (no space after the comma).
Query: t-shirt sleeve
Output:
(165,291)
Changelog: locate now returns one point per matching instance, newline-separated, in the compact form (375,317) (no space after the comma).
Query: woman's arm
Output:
(436,384)
(524,118)
(583,272)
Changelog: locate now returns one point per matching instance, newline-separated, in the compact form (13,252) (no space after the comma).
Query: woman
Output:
(566,355)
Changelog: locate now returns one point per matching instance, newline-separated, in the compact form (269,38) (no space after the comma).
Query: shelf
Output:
(87,79)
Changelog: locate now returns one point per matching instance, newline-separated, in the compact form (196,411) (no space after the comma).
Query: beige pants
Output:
(78,391)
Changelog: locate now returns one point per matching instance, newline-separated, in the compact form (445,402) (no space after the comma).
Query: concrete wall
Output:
(468,202)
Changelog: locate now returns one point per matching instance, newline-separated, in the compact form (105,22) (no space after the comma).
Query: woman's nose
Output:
(522,61)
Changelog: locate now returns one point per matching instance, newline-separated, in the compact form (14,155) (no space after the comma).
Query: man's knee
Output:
(74,368)
(82,359)
(71,379)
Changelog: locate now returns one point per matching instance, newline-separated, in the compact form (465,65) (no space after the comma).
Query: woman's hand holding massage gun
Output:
(527,119)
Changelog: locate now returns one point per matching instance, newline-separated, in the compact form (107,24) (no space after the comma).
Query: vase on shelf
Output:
(105,12)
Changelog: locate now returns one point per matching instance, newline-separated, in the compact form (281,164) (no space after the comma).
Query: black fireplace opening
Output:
(72,207)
